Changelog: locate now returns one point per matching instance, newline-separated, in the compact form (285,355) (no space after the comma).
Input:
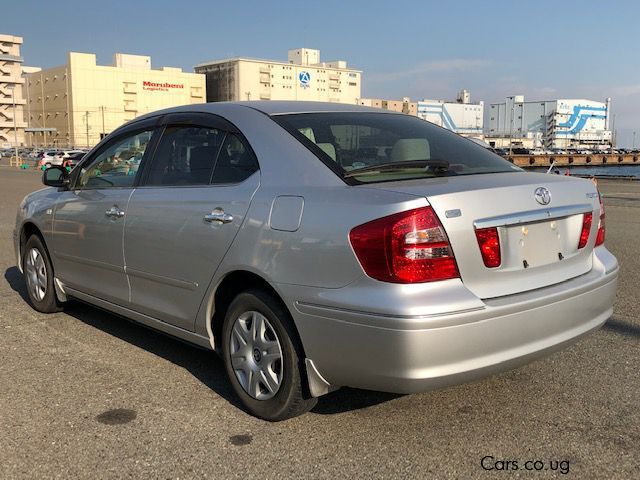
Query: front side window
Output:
(116,165)
(185,156)
(374,147)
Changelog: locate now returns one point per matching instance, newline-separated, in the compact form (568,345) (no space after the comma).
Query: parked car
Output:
(255,229)
(49,158)
(56,157)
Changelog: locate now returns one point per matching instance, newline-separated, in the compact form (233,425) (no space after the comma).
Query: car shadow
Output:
(622,327)
(16,281)
(350,399)
(204,365)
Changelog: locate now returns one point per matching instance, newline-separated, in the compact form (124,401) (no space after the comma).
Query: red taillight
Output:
(407,247)
(587,220)
(601,228)
(489,243)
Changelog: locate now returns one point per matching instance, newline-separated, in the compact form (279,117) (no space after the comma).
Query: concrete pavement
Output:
(88,394)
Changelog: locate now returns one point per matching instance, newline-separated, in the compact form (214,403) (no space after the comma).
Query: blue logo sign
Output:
(305,78)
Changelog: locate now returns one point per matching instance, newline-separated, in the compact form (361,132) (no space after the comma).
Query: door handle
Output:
(114,212)
(218,216)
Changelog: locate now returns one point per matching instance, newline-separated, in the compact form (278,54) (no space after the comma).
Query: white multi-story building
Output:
(461,116)
(12,103)
(562,123)
(302,77)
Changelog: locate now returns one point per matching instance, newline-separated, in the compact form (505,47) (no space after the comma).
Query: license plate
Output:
(535,244)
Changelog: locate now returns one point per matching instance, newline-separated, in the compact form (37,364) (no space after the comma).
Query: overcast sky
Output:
(419,49)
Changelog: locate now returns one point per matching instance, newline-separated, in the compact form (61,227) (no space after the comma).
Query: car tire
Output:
(38,275)
(257,328)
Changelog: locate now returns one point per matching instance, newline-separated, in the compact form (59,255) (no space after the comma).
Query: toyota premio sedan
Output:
(315,246)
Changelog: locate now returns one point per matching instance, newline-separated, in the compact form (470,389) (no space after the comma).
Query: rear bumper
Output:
(407,354)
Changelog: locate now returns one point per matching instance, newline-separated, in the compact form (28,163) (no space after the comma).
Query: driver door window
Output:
(117,165)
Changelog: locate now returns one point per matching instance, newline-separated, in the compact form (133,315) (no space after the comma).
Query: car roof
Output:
(269,107)
(281,107)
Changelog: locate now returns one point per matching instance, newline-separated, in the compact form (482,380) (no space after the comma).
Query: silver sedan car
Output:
(320,245)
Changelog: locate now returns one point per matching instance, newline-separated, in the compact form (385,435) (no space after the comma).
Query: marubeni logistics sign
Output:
(161,87)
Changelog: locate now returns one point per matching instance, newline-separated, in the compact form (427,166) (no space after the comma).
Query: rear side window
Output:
(236,161)
(185,156)
(365,147)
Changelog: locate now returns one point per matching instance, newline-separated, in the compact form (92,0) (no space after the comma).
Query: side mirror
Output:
(55,177)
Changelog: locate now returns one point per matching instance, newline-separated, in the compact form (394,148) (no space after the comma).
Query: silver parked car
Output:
(319,245)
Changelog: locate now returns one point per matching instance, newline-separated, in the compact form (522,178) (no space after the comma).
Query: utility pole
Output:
(44,118)
(513,100)
(634,140)
(66,79)
(86,117)
(103,130)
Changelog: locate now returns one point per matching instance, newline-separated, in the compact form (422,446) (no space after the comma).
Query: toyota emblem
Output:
(542,195)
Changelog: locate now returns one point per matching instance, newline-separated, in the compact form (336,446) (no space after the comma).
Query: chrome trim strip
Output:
(160,279)
(532,216)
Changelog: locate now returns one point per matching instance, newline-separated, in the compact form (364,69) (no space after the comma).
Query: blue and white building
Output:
(461,116)
(562,123)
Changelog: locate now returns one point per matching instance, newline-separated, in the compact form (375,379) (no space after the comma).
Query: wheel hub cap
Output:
(256,355)
(36,274)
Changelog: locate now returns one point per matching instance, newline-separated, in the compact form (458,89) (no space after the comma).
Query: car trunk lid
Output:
(538,243)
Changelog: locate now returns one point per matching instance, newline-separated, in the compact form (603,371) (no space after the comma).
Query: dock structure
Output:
(574,160)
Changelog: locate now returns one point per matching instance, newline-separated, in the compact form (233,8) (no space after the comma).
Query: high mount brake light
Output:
(406,247)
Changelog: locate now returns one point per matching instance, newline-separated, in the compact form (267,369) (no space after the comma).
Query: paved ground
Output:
(87,394)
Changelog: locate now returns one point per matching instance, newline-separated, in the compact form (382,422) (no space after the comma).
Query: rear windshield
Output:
(376,147)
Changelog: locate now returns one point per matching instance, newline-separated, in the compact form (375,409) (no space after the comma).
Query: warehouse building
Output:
(302,77)
(12,102)
(461,116)
(562,123)
(405,105)
(79,103)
